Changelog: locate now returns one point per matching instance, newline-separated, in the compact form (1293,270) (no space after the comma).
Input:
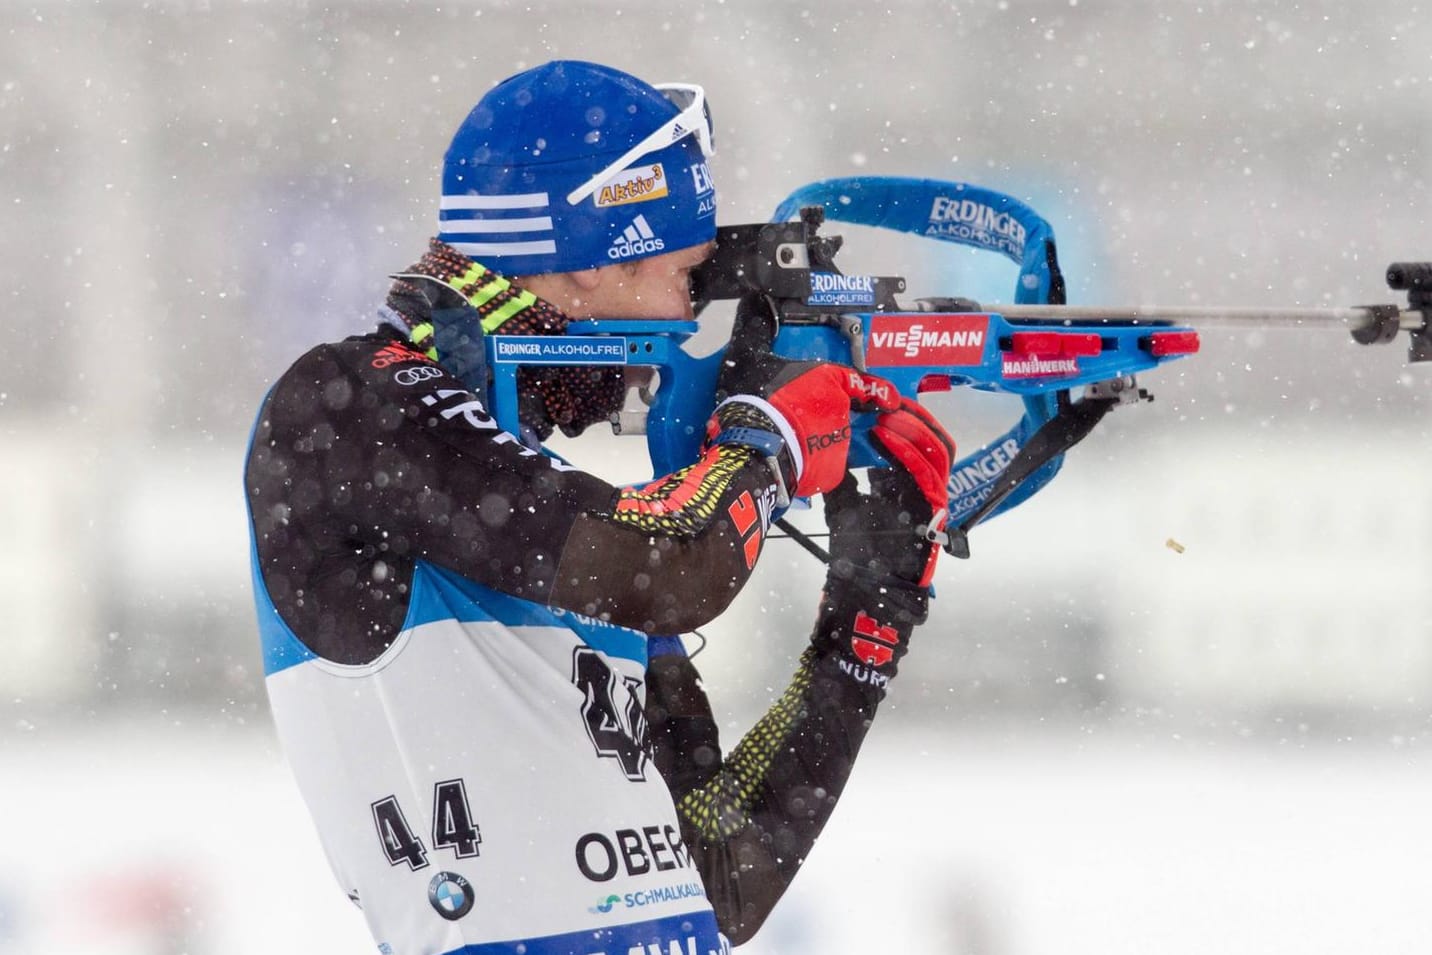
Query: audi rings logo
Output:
(413,376)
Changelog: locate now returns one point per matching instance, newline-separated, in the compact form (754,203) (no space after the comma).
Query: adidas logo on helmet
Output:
(636,239)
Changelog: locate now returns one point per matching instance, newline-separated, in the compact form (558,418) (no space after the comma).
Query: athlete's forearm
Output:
(752,819)
(670,556)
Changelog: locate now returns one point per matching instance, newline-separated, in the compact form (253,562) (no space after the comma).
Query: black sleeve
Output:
(368,456)
(752,818)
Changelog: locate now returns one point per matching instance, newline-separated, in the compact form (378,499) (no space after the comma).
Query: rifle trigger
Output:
(934,531)
(936,537)
(631,417)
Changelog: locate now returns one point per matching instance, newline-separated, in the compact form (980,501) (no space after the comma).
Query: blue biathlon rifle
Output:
(1070,365)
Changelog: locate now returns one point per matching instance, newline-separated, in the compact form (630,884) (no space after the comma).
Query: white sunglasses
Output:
(694,119)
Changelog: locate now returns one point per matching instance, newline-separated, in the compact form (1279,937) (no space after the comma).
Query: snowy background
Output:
(1098,744)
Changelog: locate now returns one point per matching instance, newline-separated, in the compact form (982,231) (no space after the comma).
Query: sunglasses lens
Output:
(682,98)
(679,96)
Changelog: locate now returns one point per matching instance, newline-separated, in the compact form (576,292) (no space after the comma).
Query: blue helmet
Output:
(573,165)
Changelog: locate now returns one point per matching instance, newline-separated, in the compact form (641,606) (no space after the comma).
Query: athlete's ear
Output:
(586,279)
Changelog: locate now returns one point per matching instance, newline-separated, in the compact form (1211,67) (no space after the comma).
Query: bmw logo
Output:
(451,895)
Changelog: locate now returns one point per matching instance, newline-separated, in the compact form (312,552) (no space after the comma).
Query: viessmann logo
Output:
(935,339)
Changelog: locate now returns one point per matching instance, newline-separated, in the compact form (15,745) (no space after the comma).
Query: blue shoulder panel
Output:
(281,648)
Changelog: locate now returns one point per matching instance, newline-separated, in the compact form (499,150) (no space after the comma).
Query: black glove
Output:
(872,598)
(883,546)
(893,532)
(874,536)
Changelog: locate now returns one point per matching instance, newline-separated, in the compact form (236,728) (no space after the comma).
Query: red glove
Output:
(806,403)
(915,440)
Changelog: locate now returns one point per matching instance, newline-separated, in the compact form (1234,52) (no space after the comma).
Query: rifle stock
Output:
(1037,348)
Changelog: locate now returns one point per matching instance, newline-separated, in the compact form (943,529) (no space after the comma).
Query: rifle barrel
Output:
(1353,317)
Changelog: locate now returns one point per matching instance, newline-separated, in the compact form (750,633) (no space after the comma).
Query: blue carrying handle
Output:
(979,218)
